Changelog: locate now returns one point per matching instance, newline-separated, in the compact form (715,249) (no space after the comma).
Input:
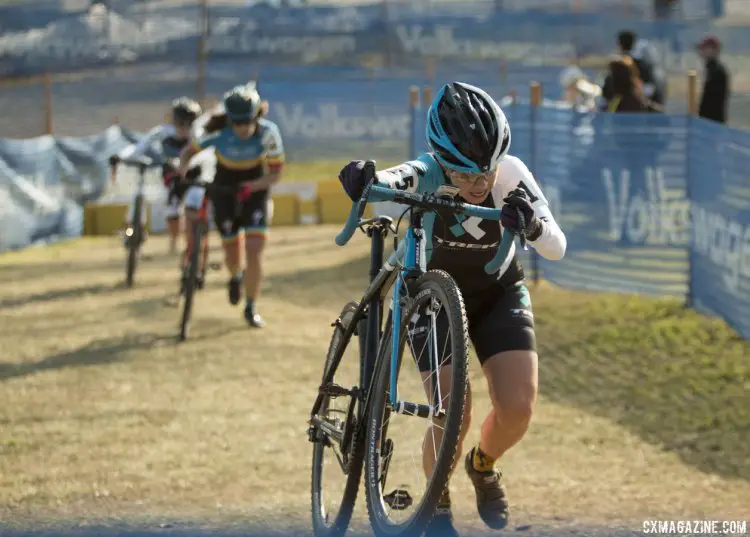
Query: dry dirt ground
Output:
(106,420)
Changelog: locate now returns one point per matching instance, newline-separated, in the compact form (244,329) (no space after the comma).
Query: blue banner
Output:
(324,120)
(621,194)
(719,160)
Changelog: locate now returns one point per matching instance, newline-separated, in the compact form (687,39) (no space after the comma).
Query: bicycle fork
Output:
(415,257)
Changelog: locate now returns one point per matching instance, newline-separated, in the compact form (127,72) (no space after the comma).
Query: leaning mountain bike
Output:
(389,404)
(135,232)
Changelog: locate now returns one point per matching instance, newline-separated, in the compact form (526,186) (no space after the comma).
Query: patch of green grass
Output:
(677,378)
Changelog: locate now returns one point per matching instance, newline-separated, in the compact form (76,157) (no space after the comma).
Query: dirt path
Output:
(105,418)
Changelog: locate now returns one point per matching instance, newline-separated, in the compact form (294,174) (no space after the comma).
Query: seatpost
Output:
(377,239)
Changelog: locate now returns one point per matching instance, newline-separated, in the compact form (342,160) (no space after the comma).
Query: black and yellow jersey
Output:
(243,160)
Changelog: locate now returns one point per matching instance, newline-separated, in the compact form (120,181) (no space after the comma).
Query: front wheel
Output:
(190,277)
(134,237)
(415,420)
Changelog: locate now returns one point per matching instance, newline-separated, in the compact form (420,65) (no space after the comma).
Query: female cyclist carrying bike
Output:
(249,160)
(169,139)
(469,138)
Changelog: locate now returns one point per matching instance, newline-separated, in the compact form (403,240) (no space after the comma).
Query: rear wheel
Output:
(191,279)
(338,442)
(410,452)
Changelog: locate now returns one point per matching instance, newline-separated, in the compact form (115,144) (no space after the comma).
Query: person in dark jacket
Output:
(625,90)
(715,95)
(629,45)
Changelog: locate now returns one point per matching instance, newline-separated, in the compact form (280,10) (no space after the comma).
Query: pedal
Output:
(316,436)
(398,500)
(334,390)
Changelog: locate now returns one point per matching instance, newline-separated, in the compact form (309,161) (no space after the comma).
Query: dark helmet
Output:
(242,103)
(466,129)
(185,110)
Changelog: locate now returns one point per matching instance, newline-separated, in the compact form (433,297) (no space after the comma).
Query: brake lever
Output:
(358,207)
(521,229)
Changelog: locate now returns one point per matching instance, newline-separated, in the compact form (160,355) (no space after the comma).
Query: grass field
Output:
(644,414)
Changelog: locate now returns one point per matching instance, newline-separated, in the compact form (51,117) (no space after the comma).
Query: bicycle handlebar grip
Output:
(358,207)
(502,252)
(351,225)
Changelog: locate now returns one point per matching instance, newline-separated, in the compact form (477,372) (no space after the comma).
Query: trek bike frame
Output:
(407,264)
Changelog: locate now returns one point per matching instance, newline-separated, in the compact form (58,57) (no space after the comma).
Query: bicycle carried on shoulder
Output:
(193,265)
(356,423)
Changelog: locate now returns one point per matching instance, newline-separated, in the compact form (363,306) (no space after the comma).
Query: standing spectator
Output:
(640,51)
(716,82)
(625,91)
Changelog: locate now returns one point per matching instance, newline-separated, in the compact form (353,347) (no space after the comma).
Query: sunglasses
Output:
(469,179)
(241,122)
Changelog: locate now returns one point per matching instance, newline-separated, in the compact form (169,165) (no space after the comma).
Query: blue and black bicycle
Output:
(400,419)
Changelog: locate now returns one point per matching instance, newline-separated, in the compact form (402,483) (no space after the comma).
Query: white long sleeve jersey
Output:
(463,245)
(165,140)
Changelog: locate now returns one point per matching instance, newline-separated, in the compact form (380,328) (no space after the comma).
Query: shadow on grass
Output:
(99,352)
(27,271)
(170,306)
(72,292)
